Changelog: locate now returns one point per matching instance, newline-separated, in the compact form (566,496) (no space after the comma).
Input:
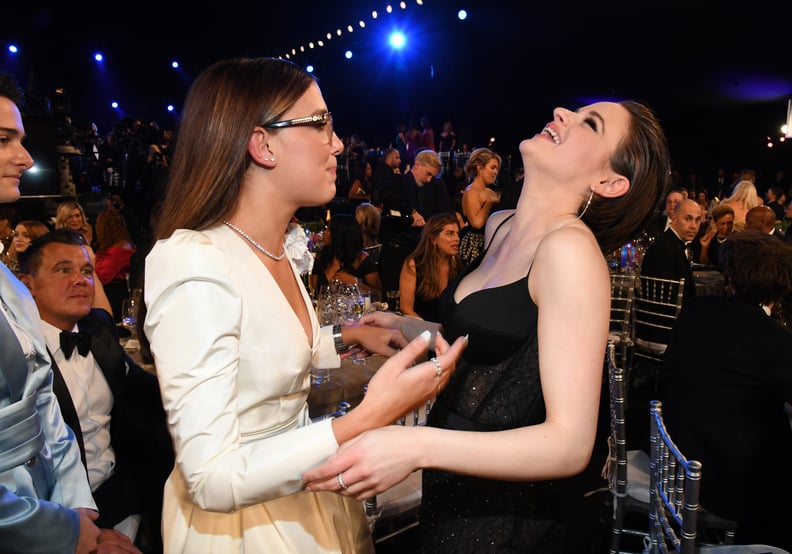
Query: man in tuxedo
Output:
(110,402)
(405,208)
(662,221)
(45,499)
(762,218)
(670,255)
(386,174)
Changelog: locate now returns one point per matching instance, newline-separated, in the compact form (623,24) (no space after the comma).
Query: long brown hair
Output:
(427,256)
(210,158)
(644,159)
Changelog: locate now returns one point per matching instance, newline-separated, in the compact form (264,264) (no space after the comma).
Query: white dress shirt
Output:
(93,401)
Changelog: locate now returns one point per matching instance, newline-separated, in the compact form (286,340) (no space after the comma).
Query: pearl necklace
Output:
(256,245)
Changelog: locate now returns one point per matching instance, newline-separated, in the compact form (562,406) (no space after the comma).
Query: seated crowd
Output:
(402,233)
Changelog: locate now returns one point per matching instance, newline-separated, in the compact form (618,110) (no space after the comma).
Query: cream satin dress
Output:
(233,364)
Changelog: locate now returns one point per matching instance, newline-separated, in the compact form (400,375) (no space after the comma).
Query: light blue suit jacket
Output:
(36,495)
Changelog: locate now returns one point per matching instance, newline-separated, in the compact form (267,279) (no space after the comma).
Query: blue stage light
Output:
(462,15)
(175,64)
(114,105)
(309,68)
(348,54)
(13,48)
(98,57)
(397,40)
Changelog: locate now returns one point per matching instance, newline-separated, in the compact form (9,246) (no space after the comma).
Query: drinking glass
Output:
(393,300)
(375,297)
(129,310)
(319,375)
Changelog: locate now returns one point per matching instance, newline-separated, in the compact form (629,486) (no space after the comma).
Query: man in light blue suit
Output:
(45,499)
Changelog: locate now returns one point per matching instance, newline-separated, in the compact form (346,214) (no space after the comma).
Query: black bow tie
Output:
(69,340)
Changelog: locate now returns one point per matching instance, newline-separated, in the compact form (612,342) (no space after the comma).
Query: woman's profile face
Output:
(447,240)
(576,147)
(306,155)
(369,171)
(489,171)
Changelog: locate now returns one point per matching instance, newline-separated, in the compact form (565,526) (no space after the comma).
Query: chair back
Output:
(374,252)
(617,445)
(657,306)
(674,486)
(621,314)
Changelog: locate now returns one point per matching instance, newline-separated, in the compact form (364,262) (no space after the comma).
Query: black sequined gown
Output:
(496,386)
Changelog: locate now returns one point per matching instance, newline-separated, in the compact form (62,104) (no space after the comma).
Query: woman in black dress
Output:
(521,410)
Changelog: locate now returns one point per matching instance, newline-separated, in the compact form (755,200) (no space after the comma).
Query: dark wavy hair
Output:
(346,242)
(643,158)
(758,267)
(426,256)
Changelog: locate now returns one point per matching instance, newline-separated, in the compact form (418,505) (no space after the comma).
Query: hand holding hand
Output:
(397,387)
(115,542)
(88,539)
(377,340)
(410,327)
(370,464)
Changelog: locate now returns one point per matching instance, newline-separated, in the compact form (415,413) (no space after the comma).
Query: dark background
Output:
(719,75)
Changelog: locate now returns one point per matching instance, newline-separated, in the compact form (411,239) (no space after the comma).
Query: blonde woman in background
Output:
(71,215)
(478,200)
(368,215)
(743,198)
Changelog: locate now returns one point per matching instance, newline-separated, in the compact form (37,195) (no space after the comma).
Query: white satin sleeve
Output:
(193,322)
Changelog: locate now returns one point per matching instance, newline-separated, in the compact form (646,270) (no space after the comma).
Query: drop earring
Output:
(588,203)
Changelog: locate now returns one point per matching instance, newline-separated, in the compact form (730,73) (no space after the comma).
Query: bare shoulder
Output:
(569,252)
(494,221)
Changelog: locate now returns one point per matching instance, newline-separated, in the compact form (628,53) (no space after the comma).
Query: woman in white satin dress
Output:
(233,332)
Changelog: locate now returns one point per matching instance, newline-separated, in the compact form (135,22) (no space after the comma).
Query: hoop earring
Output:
(588,203)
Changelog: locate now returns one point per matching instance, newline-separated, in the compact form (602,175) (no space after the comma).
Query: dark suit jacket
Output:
(138,429)
(656,225)
(405,196)
(730,377)
(665,258)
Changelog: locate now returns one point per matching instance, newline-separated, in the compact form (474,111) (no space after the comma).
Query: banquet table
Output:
(346,384)
(709,282)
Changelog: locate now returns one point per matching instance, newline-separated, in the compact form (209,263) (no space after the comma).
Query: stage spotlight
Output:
(13,48)
(348,54)
(114,105)
(175,64)
(170,108)
(98,57)
(462,15)
(397,40)
(388,8)
(309,68)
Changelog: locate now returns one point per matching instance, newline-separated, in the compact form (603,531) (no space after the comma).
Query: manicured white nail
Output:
(426,335)
(467,338)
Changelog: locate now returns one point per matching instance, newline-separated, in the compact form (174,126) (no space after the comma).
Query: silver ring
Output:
(340,479)
(438,367)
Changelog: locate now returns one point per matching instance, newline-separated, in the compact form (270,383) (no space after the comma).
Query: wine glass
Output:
(129,310)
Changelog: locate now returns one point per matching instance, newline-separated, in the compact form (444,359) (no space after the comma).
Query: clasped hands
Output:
(372,461)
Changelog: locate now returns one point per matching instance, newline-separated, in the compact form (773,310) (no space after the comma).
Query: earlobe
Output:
(259,150)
